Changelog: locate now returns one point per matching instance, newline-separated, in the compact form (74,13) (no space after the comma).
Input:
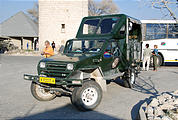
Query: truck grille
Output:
(55,69)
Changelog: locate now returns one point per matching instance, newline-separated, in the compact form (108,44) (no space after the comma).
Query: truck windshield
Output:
(99,26)
(84,46)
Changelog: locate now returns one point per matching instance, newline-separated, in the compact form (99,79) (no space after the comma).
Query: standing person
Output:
(37,46)
(53,45)
(27,45)
(155,54)
(48,50)
(146,57)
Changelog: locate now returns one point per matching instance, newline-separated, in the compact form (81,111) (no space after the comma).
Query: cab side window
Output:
(113,49)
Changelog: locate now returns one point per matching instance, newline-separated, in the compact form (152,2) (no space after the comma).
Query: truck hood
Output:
(67,58)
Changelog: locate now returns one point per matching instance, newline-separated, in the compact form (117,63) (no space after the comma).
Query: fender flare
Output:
(97,75)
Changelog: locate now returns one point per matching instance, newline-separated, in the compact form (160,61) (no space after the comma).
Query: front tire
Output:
(87,97)
(41,93)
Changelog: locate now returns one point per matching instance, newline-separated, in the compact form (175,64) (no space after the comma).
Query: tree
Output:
(34,12)
(103,7)
(166,5)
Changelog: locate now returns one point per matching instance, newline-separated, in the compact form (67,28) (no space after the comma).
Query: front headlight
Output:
(70,66)
(42,65)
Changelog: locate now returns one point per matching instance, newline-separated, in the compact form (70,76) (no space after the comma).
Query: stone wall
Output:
(163,107)
(59,20)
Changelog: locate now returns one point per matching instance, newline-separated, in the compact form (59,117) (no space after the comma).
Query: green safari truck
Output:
(106,47)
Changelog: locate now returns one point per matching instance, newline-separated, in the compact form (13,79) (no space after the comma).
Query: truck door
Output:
(133,42)
(110,57)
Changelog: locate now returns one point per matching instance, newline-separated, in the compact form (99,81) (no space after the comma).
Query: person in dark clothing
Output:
(155,54)
(27,45)
(53,45)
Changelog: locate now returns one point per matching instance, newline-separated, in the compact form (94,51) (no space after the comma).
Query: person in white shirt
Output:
(146,57)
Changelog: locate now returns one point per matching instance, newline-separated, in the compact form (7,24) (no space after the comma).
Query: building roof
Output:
(19,25)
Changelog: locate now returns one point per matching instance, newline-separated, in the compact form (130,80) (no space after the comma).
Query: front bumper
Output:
(58,81)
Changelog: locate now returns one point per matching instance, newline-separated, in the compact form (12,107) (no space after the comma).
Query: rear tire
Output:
(41,93)
(87,97)
(130,78)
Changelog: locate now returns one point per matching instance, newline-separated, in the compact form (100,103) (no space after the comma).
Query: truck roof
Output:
(104,26)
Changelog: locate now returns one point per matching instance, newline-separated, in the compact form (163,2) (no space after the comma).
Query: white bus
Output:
(163,33)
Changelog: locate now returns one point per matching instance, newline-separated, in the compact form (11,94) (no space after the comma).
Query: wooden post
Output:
(32,43)
(22,43)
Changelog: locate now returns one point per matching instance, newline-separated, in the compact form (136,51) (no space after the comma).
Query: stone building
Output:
(20,30)
(59,20)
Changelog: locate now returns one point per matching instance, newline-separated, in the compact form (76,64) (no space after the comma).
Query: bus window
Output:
(172,30)
(156,31)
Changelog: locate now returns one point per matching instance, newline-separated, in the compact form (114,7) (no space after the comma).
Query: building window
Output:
(63,28)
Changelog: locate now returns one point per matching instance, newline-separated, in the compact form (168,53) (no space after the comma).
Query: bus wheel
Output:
(159,60)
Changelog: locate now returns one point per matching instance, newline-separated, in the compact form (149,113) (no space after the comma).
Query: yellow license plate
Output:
(47,80)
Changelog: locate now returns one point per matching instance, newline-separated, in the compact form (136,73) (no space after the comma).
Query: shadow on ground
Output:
(145,86)
(142,84)
(66,112)
(172,72)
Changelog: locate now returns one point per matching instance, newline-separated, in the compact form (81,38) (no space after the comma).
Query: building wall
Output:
(16,42)
(53,14)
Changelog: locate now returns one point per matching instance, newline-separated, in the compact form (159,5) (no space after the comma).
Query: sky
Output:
(142,9)
(9,8)
(135,8)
